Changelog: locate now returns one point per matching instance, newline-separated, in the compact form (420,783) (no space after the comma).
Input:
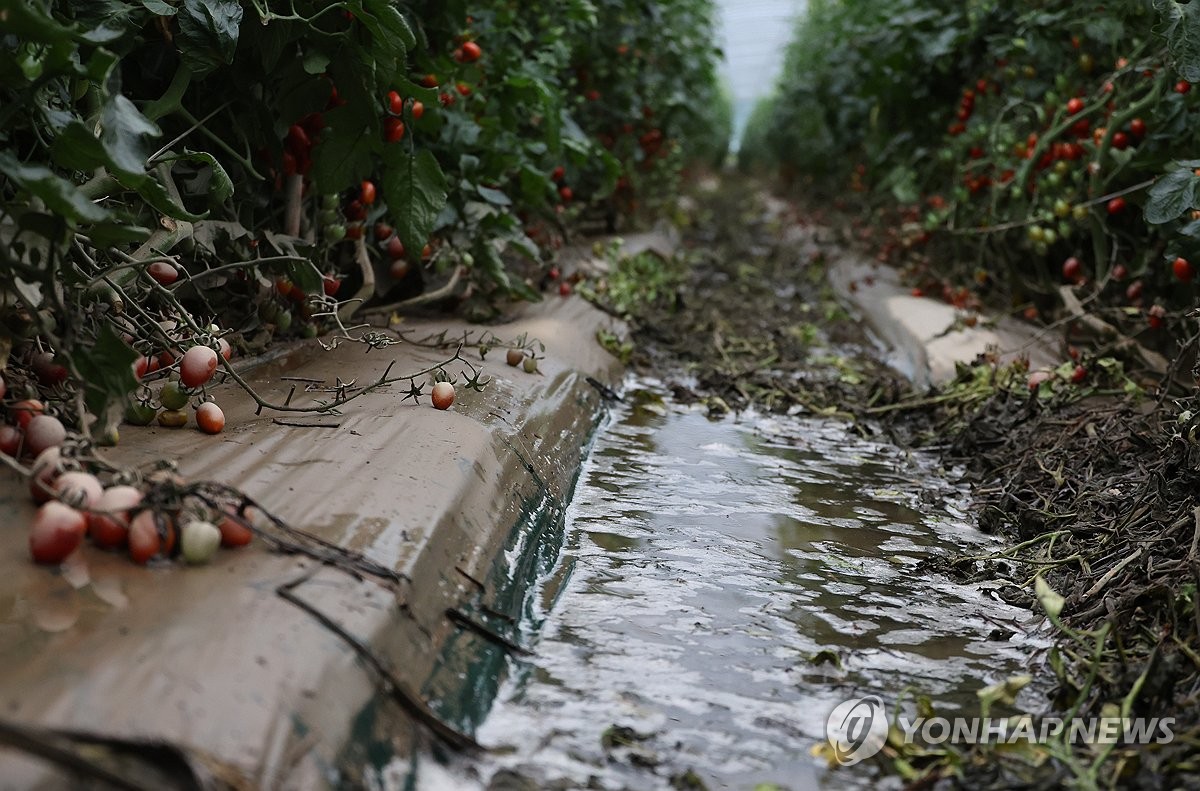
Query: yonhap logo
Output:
(857,729)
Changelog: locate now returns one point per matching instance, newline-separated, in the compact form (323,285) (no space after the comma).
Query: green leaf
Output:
(306,276)
(415,190)
(1052,602)
(494,196)
(157,196)
(106,371)
(159,7)
(343,157)
(316,62)
(208,33)
(59,195)
(1172,195)
(124,133)
(30,24)
(220,185)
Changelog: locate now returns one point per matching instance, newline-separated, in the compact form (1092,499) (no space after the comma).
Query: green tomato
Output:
(173,396)
(1061,208)
(1053,180)
(283,322)
(1062,167)
(1080,213)
(1036,233)
(335,233)
(1050,236)
(328,216)
(140,414)
(1065,229)
(330,202)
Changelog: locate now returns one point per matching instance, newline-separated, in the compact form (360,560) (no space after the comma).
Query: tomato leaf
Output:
(105,369)
(220,186)
(208,33)
(60,196)
(124,136)
(159,7)
(415,189)
(343,156)
(1172,195)
(1183,36)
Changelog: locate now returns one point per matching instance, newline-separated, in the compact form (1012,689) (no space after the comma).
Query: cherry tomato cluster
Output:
(155,519)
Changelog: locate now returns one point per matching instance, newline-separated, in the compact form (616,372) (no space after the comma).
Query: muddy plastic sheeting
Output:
(265,670)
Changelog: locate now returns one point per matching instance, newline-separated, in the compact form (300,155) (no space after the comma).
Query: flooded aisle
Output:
(723,586)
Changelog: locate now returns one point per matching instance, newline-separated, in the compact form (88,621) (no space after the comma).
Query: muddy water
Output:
(722,586)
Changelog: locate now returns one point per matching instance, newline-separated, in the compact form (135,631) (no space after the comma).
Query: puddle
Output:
(704,566)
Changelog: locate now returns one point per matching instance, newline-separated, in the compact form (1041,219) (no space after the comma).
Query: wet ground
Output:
(723,585)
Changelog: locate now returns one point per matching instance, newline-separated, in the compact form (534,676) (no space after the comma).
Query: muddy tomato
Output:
(443,395)
(78,489)
(10,440)
(198,365)
(48,372)
(209,418)
(57,531)
(45,471)
(108,521)
(44,432)
(23,412)
(514,357)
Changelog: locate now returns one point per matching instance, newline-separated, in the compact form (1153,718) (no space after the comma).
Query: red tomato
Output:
(430,81)
(1134,291)
(1182,87)
(418,110)
(382,231)
(1074,106)
(10,440)
(367,192)
(426,252)
(210,418)
(395,102)
(1182,270)
(198,365)
(48,372)
(298,139)
(463,89)
(1120,141)
(398,269)
(395,248)
(559,173)
(163,273)
(45,471)
(3,387)
(566,194)
(234,534)
(1072,270)
(144,541)
(1120,272)
(1116,206)
(57,531)
(1138,127)
(443,395)
(140,367)
(331,285)
(393,130)
(25,411)
(470,52)
(564,289)
(108,521)
(355,211)
(1157,317)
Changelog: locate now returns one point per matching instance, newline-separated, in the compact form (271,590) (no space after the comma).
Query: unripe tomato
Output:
(172,396)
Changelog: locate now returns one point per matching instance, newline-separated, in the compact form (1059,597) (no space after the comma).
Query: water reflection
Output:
(706,565)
